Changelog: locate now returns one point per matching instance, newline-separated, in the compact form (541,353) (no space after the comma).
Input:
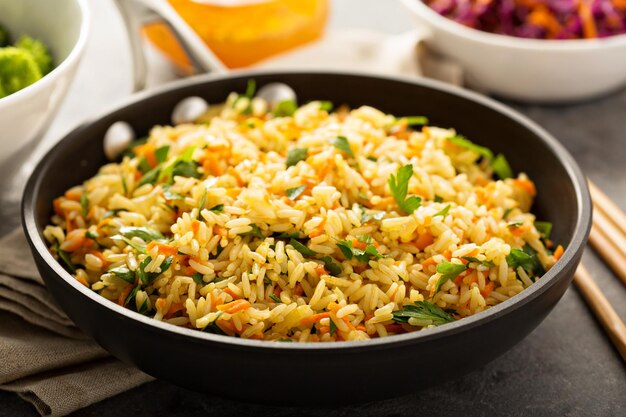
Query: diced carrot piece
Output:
(226,326)
(74,240)
(174,308)
(82,280)
(56,204)
(234,307)
(394,328)
(588,21)
(428,262)
(323,329)
(195,226)
(277,291)
(488,289)
(320,270)
(526,185)
(558,252)
(162,248)
(298,290)
(423,240)
(73,194)
(231,293)
(218,230)
(314,318)
(122,297)
(318,231)
(334,307)
(160,304)
(358,244)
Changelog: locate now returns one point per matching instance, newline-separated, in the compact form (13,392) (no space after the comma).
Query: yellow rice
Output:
(241,161)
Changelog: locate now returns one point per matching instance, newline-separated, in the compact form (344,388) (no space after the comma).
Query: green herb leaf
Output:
(124,185)
(304,250)
(84,204)
(65,257)
(341,143)
(144,166)
(186,169)
(438,199)
(294,193)
(544,229)
(139,248)
(130,151)
(161,153)
(333,327)
(201,203)
(214,328)
(91,235)
(150,177)
(144,233)
(131,296)
(169,195)
(295,155)
(424,311)
(448,271)
(506,213)
(197,278)
(416,120)
(250,88)
(275,298)
(285,108)
(144,307)
(444,212)
(527,259)
(399,186)
(123,273)
(465,143)
(501,167)
(476,260)
(333,267)
(370,214)
(217,208)
(147,277)
(372,158)
(363,255)
(517,223)
(255,232)
(327,106)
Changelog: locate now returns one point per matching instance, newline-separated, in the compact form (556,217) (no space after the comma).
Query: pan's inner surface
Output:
(81,154)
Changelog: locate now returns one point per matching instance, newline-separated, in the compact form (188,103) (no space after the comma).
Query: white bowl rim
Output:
(69,60)
(419,8)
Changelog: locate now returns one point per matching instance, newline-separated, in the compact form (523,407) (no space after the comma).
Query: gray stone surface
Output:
(566,367)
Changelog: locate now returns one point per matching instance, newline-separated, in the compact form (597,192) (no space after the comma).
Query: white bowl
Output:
(526,69)
(62,25)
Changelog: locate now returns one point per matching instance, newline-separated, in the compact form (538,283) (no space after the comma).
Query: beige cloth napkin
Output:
(43,356)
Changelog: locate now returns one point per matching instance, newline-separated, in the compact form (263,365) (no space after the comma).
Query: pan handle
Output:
(137,13)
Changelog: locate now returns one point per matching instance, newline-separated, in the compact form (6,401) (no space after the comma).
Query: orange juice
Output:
(242,32)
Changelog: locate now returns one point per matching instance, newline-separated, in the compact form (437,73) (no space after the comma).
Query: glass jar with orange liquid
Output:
(243,32)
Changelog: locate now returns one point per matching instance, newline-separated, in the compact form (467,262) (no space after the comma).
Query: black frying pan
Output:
(324,373)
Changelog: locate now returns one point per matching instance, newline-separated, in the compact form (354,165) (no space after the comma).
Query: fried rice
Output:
(303,224)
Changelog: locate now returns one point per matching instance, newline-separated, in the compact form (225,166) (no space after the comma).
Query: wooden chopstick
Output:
(604,204)
(601,307)
(608,232)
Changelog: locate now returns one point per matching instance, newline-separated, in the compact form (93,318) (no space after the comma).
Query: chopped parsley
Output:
(443,212)
(333,328)
(416,120)
(448,271)
(370,214)
(341,143)
(84,204)
(161,153)
(217,208)
(478,261)
(65,257)
(333,267)
(304,250)
(295,155)
(169,195)
(463,142)
(131,296)
(147,277)
(423,311)
(294,193)
(399,186)
(327,106)
(144,233)
(363,255)
(256,232)
(501,167)
(197,278)
(123,273)
(544,229)
(285,108)
(275,298)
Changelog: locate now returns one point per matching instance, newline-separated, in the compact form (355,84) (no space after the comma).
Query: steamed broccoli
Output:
(18,70)
(38,50)
(4,36)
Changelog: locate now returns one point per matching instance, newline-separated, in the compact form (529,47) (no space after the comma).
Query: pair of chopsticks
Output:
(608,238)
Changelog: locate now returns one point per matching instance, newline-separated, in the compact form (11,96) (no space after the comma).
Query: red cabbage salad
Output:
(538,19)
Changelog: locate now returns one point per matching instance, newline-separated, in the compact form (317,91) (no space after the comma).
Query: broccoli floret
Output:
(18,69)
(38,50)
(4,36)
